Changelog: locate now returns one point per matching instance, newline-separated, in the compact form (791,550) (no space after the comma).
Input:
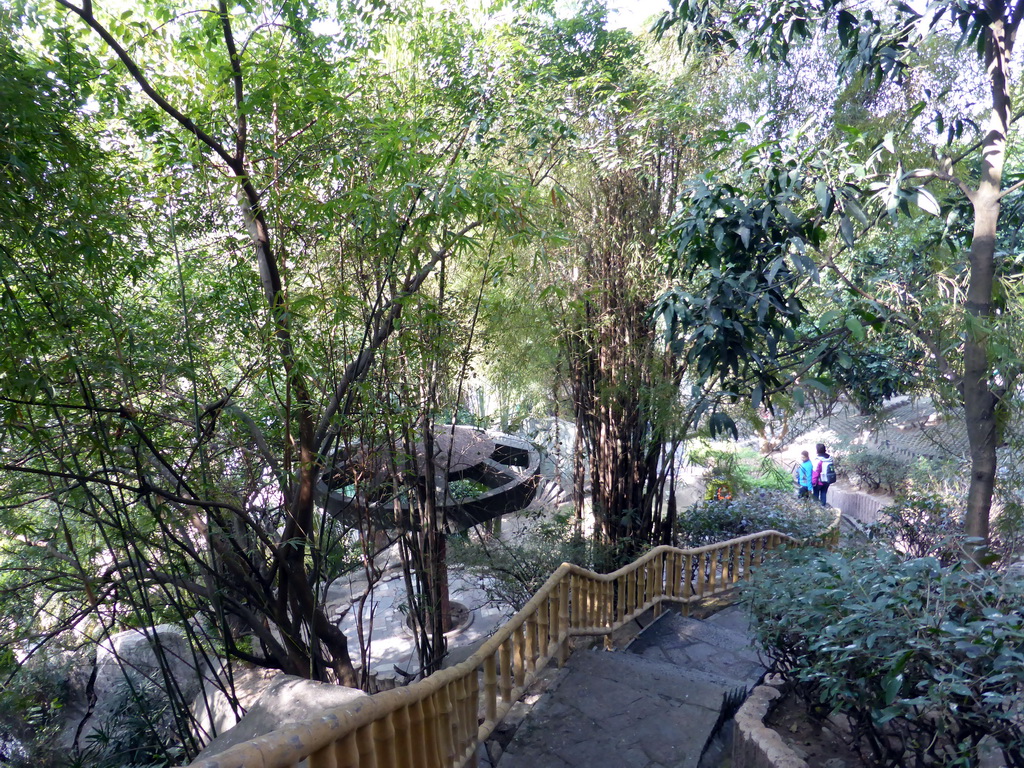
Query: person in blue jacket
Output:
(803,476)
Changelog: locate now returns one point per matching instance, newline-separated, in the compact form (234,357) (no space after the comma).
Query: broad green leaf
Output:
(926,201)
(846,231)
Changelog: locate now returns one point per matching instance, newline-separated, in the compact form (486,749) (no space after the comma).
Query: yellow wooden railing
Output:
(440,721)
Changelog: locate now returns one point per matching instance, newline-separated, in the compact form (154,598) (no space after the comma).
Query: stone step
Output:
(658,704)
(618,710)
(719,651)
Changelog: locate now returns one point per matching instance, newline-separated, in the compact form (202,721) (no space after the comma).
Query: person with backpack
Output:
(802,476)
(824,474)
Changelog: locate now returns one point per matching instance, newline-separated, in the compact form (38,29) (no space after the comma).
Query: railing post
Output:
(431,747)
(519,657)
(641,588)
(490,690)
(384,741)
(443,702)
(531,645)
(327,757)
(403,737)
(543,629)
(418,738)
(677,574)
(604,608)
(575,601)
(346,751)
(587,597)
(563,622)
(367,749)
(687,582)
(651,582)
(472,708)
(468,708)
(505,670)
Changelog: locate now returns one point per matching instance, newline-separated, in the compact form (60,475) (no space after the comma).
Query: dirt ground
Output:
(818,746)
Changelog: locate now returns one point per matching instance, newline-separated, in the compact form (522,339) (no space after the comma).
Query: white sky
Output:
(634,15)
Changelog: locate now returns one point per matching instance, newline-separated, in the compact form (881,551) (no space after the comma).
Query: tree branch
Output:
(384,322)
(241,127)
(85,13)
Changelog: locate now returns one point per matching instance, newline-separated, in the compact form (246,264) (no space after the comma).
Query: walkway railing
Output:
(440,721)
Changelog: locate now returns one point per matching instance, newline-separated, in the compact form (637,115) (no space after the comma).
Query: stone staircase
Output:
(657,704)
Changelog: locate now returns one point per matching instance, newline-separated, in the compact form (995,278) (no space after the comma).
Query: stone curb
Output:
(755,745)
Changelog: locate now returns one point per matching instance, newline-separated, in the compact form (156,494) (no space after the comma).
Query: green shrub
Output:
(718,520)
(140,732)
(510,570)
(876,470)
(738,470)
(921,525)
(32,700)
(925,660)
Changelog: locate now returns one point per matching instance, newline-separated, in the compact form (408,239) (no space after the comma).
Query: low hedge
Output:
(924,660)
(715,520)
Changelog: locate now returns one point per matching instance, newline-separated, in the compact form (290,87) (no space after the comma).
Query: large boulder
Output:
(286,701)
(125,704)
(148,657)
(227,694)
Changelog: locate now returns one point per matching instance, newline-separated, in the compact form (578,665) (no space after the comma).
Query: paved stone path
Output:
(640,708)
(906,428)
(391,643)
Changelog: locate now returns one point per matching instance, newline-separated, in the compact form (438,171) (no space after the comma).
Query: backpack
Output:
(826,472)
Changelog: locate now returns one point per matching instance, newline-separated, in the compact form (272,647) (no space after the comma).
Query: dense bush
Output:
(875,470)
(924,660)
(732,471)
(32,700)
(510,570)
(921,525)
(717,520)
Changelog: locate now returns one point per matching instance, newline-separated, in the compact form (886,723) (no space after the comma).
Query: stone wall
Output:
(856,505)
(755,745)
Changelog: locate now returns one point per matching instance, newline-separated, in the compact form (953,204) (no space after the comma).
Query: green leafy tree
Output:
(625,151)
(881,48)
(193,330)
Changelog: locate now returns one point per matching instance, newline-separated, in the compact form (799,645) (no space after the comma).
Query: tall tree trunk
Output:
(979,400)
